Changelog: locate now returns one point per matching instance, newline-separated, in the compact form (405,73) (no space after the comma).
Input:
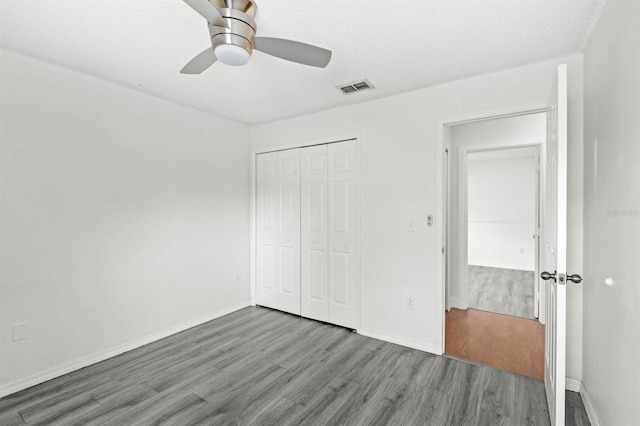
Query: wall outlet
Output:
(521,251)
(410,302)
(20,332)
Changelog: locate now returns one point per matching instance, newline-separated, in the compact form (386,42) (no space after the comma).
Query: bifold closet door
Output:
(313,210)
(329,176)
(278,230)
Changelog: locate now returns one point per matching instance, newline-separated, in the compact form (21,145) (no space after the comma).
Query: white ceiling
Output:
(397,45)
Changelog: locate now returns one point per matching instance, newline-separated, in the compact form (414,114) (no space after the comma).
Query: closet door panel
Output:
(313,194)
(267,199)
(288,297)
(316,290)
(278,230)
(287,269)
(342,179)
(340,279)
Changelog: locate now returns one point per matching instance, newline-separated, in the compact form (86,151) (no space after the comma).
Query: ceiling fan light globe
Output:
(231,54)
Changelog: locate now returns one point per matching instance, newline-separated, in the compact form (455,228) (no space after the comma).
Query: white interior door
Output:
(342,223)
(556,249)
(314,238)
(278,230)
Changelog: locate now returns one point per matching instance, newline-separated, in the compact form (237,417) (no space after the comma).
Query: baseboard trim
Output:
(572,384)
(503,266)
(18,385)
(399,341)
(457,303)
(588,406)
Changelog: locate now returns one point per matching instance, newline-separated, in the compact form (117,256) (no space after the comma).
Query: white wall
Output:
(398,163)
(612,216)
(501,210)
(122,216)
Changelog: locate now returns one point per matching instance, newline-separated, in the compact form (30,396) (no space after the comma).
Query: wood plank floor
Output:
(503,291)
(262,367)
(502,341)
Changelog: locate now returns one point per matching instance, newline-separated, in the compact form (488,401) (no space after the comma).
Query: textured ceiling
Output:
(397,45)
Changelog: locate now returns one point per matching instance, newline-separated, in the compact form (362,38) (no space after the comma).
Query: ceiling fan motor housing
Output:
(232,30)
(239,16)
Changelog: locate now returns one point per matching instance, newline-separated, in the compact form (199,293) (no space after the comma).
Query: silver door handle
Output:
(549,276)
(575,278)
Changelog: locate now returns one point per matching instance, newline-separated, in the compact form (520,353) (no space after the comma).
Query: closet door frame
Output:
(359,213)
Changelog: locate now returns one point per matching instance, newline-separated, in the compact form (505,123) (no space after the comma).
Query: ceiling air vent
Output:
(356,87)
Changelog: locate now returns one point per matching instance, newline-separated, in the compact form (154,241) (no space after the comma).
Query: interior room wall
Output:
(612,216)
(397,137)
(123,217)
(501,210)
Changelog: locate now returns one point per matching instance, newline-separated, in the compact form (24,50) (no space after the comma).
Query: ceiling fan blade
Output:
(208,12)
(201,62)
(293,51)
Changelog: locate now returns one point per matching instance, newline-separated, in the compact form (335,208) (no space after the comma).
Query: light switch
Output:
(411,225)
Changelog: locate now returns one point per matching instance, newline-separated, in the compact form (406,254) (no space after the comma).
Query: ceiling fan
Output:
(232,30)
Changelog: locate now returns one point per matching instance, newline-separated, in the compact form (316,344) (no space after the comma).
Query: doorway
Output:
(501,230)
(493,296)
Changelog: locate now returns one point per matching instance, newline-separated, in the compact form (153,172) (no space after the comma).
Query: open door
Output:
(556,250)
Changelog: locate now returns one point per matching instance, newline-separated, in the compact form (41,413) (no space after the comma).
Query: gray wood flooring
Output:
(262,367)
(503,291)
